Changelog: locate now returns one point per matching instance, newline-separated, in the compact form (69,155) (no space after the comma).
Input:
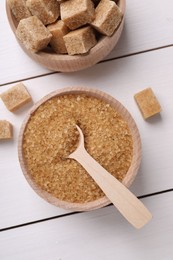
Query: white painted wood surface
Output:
(101,234)
(134,73)
(148,25)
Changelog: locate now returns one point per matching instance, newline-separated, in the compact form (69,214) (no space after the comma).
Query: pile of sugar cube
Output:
(69,26)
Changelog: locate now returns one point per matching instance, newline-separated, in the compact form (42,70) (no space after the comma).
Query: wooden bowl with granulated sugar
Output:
(67,63)
(48,135)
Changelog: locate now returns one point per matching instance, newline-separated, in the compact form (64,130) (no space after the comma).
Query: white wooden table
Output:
(33,229)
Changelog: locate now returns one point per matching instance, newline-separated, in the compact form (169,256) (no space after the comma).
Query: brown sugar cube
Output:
(46,10)
(107,17)
(76,13)
(19,9)
(58,30)
(6,130)
(16,97)
(147,103)
(80,41)
(33,34)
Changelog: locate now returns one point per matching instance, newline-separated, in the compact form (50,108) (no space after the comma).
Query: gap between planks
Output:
(75,213)
(105,60)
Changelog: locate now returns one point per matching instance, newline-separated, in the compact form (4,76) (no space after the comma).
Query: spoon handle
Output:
(125,201)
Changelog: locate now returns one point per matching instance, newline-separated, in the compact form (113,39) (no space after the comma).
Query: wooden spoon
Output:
(125,201)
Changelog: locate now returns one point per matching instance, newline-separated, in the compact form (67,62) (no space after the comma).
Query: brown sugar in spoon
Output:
(125,201)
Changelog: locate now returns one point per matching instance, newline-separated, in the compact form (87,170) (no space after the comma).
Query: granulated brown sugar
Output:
(51,135)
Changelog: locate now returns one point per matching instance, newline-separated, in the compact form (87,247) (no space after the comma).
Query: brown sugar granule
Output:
(16,97)
(107,17)
(51,135)
(6,130)
(19,9)
(147,103)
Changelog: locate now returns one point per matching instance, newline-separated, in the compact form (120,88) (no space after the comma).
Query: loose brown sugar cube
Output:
(33,34)
(58,30)
(16,97)
(19,9)
(147,103)
(80,41)
(76,13)
(46,10)
(107,17)
(6,130)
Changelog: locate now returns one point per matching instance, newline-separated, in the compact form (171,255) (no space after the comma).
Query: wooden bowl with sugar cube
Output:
(73,62)
(48,135)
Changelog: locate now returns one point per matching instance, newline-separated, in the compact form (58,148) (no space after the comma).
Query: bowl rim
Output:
(65,62)
(136,160)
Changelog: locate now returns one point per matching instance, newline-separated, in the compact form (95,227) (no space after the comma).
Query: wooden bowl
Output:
(66,63)
(127,181)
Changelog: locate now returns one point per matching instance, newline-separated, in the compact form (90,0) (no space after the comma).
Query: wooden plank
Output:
(19,204)
(147,26)
(101,234)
